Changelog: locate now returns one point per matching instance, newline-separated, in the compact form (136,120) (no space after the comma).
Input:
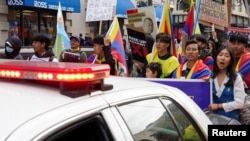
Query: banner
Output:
(200,91)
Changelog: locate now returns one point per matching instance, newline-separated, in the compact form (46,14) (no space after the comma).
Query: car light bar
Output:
(53,71)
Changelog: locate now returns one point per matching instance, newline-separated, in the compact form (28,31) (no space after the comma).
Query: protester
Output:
(153,70)
(215,39)
(212,47)
(74,54)
(227,85)
(82,41)
(12,48)
(238,42)
(163,56)
(193,67)
(205,53)
(40,44)
(102,54)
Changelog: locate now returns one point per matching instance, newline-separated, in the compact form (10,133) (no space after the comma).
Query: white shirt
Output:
(239,93)
(42,59)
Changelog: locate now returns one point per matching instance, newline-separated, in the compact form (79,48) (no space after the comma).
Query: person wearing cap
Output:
(74,54)
(43,53)
(12,48)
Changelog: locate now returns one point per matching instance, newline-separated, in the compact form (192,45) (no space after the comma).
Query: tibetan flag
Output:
(62,41)
(243,67)
(117,49)
(166,26)
(198,71)
(189,24)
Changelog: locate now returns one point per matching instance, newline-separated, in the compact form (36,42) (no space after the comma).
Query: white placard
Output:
(100,10)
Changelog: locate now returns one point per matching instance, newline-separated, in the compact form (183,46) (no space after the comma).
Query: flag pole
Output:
(100,27)
(93,62)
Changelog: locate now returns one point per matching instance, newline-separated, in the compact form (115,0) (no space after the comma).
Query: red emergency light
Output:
(72,77)
(53,71)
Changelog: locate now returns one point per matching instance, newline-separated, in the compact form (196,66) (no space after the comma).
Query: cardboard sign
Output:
(143,18)
(100,10)
(213,12)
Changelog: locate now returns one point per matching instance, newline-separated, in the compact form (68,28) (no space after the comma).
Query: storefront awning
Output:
(67,5)
(122,6)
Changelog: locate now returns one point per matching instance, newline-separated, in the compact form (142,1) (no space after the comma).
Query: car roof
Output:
(23,101)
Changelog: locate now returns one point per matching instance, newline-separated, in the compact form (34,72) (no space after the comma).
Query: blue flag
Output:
(62,41)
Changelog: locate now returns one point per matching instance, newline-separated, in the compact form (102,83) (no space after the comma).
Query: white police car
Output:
(72,101)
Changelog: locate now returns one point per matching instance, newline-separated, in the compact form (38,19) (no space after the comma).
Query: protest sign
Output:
(143,18)
(137,41)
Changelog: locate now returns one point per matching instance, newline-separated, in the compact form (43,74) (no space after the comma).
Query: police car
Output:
(72,101)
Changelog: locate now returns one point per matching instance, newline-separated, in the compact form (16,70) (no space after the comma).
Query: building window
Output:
(25,23)
(240,21)
(246,22)
(179,19)
(233,20)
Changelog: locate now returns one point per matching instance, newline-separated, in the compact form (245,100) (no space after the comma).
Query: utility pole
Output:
(150,2)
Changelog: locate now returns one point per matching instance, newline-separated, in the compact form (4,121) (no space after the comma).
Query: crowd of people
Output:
(226,64)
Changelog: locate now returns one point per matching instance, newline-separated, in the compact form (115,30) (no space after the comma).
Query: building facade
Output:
(24,18)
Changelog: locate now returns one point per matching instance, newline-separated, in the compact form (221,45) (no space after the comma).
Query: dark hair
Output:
(201,38)
(165,38)
(238,37)
(155,67)
(230,69)
(98,39)
(192,37)
(149,43)
(192,42)
(43,38)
